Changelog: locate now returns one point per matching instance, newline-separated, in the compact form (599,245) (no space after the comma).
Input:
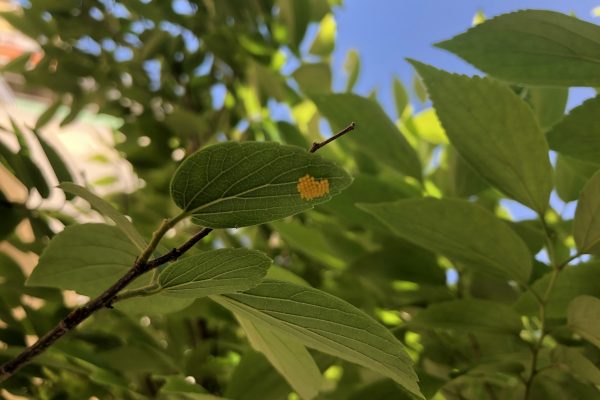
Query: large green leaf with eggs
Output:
(460,230)
(214,272)
(533,46)
(495,131)
(376,133)
(326,323)
(233,184)
(87,258)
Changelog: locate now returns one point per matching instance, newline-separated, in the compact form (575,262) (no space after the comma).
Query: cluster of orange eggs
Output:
(310,188)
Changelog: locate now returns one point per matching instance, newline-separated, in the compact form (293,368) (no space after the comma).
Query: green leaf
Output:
(254,378)
(460,230)
(295,15)
(326,323)
(232,184)
(586,226)
(352,68)
(86,258)
(428,126)
(554,384)
(26,170)
(573,281)
(364,189)
(107,210)
(419,89)
(495,131)
(313,78)
(463,179)
(313,242)
(399,260)
(179,385)
(376,134)
(291,134)
(324,42)
(548,104)
(77,106)
(583,317)
(400,97)
(469,315)
(290,358)
(576,363)
(47,115)
(571,175)
(62,172)
(17,64)
(533,46)
(214,272)
(578,134)
(156,304)
(11,215)
(380,390)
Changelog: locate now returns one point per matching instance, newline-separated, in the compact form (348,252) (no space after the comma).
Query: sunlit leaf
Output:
(533,46)
(324,43)
(376,133)
(460,230)
(495,131)
(352,68)
(401,99)
(313,78)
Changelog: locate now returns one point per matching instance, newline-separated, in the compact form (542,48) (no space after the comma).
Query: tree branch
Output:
(105,299)
(110,295)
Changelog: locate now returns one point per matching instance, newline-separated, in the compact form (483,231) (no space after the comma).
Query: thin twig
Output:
(317,145)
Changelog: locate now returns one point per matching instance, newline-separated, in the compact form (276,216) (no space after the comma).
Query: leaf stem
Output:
(148,290)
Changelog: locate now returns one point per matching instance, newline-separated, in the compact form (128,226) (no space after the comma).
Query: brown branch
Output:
(317,145)
(140,267)
(105,299)
(174,254)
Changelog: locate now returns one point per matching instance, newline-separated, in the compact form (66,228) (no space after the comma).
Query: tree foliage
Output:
(321,275)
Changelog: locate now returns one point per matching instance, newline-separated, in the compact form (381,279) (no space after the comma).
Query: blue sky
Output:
(385,32)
